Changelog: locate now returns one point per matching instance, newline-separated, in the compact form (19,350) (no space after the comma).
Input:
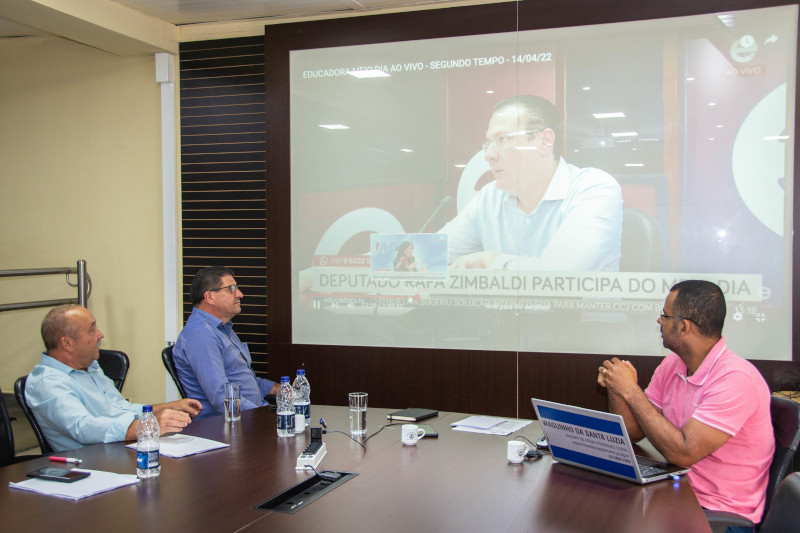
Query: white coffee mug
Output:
(411,434)
(516,451)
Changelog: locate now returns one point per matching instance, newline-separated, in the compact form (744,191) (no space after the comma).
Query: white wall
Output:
(81,179)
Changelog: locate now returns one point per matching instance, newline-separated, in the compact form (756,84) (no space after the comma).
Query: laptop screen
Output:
(591,439)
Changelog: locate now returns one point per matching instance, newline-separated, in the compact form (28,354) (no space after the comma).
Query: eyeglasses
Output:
(232,288)
(501,141)
(676,317)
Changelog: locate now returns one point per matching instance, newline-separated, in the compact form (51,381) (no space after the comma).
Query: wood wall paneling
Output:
(223,174)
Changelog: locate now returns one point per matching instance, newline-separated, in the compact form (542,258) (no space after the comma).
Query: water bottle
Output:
(285,401)
(302,395)
(147,434)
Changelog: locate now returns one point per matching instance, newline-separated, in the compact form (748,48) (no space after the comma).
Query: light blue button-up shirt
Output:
(76,408)
(577,225)
(208,354)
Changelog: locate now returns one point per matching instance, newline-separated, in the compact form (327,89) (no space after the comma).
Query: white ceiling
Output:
(198,11)
(135,27)
(193,12)
(9,28)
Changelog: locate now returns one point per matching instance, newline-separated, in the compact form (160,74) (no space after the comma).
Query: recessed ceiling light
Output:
(624,134)
(334,126)
(587,88)
(776,138)
(407,150)
(634,164)
(490,91)
(374,73)
(460,165)
(618,114)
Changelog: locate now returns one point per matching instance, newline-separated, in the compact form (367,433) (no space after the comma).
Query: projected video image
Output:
(543,190)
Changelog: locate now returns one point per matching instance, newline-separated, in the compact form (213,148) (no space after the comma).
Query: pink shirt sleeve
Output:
(655,390)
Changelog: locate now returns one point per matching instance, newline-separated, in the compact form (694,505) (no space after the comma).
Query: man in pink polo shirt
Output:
(705,407)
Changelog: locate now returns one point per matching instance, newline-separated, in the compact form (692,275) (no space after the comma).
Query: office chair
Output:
(6,435)
(19,392)
(782,515)
(642,242)
(786,426)
(115,366)
(169,364)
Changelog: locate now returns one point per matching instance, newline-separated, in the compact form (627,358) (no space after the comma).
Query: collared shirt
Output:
(76,408)
(577,225)
(208,354)
(729,394)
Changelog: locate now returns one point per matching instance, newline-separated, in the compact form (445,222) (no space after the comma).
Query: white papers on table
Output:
(183,445)
(96,483)
(490,425)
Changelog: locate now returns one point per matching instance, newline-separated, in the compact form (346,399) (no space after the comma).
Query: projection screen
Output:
(673,160)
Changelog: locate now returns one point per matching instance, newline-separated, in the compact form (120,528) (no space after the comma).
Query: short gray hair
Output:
(56,324)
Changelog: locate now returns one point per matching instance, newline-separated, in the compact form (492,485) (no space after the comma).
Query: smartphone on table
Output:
(59,474)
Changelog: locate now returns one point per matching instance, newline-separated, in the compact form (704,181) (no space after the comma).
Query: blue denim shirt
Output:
(76,408)
(209,354)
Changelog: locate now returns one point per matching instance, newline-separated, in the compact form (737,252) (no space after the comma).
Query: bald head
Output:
(57,324)
(71,335)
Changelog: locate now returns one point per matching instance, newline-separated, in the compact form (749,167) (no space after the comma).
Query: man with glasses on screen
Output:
(540,213)
(208,353)
(705,407)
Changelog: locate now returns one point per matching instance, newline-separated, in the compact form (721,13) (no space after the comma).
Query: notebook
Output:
(412,414)
(597,441)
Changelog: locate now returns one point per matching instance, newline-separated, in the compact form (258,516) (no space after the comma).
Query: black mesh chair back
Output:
(19,393)
(115,366)
(6,435)
(169,364)
(642,242)
(782,515)
(786,425)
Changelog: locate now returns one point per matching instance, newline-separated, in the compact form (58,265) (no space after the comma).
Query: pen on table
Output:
(66,460)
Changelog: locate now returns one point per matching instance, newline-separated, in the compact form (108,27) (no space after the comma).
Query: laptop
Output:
(597,441)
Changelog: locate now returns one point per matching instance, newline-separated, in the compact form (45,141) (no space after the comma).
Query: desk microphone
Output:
(445,201)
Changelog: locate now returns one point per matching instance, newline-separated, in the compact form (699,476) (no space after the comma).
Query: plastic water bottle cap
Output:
(147,409)
(285,379)
(301,372)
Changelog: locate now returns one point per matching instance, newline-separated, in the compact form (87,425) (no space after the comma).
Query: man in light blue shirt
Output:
(208,353)
(73,401)
(540,213)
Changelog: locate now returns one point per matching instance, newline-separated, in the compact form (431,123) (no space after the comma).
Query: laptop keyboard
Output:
(650,469)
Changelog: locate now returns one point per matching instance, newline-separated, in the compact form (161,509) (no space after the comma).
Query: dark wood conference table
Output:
(456,482)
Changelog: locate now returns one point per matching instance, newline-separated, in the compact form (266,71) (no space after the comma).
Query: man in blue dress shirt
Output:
(73,401)
(208,353)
